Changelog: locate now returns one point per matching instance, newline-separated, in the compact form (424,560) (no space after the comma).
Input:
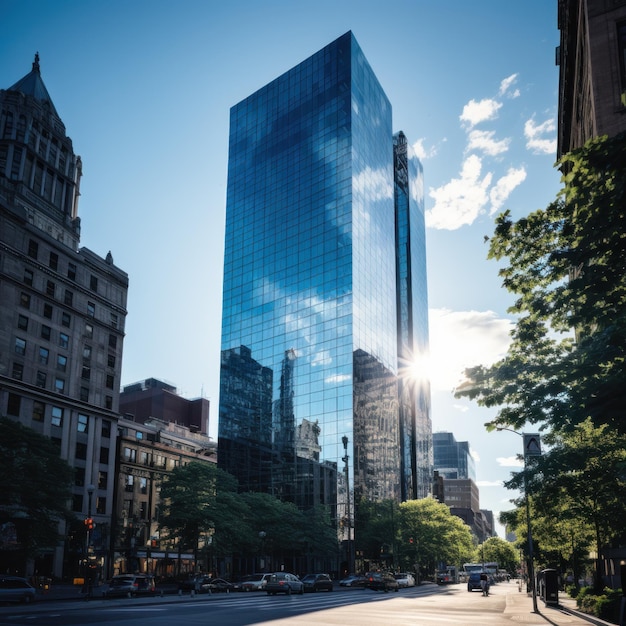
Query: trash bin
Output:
(549,586)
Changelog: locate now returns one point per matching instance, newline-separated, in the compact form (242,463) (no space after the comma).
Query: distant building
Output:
(62,317)
(452,458)
(147,450)
(463,498)
(592,72)
(154,398)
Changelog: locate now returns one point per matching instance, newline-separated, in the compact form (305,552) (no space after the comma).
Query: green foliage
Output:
(429,534)
(193,498)
(605,605)
(36,486)
(500,551)
(565,370)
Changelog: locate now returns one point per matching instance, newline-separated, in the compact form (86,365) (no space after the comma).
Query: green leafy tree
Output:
(200,505)
(567,269)
(36,487)
(377,526)
(500,551)
(429,535)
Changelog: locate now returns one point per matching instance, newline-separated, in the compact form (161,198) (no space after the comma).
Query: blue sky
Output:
(145,87)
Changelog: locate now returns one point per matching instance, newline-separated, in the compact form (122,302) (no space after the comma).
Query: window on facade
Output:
(59,385)
(79,476)
(110,380)
(101,505)
(44,353)
(46,332)
(83,423)
(47,311)
(64,340)
(84,394)
(69,297)
(108,402)
(77,503)
(93,283)
(20,346)
(50,288)
(33,248)
(144,458)
(25,300)
(129,482)
(143,510)
(71,271)
(143,485)
(57,416)
(111,360)
(104,455)
(113,341)
(103,479)
(91,309)
(61,363)
(86,353)
(66,319)
(114,320)
(17,371)
(89,331)
(106,428)
(28,277)
(14,404)
(128,508)
(81,451)
(53,261)
(130,454)
(22,322)
(41,379)
(85,372)
(39,409)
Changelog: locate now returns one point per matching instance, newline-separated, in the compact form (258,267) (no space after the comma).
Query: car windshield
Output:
(121,581)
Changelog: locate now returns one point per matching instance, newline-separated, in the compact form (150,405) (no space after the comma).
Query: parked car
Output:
(405,579)
(381,581)
(283,582)
(473,581)
(16,589)
(130,585)
(353,580)
(254,582)
(216,585)
(317,582)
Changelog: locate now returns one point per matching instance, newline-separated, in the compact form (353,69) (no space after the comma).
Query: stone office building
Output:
(62,315)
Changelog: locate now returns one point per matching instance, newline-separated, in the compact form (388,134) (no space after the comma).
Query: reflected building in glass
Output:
(324,300)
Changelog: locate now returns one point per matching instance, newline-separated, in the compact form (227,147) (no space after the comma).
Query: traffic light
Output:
(89,523)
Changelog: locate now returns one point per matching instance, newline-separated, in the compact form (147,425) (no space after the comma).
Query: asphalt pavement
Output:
(519,604)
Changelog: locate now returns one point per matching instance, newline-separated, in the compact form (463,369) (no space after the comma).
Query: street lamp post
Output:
(528,452)
(345,459)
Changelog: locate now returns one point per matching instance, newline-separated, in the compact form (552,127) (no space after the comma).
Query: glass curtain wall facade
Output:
(412,325)
(309,401)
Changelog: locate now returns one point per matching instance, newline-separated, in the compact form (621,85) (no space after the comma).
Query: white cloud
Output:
(504,187)
(460,201)
(505,87)
(509,461)
(535,136)
(484,141)
(421,151)
(462,339)
(475,112)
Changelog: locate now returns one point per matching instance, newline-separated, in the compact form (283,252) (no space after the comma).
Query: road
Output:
(427,605)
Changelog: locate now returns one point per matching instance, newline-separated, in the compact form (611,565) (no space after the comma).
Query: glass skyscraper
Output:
(324,293)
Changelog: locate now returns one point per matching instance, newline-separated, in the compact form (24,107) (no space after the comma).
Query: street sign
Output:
(532,444)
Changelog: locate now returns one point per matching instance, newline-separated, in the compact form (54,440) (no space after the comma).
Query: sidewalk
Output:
(519,607)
